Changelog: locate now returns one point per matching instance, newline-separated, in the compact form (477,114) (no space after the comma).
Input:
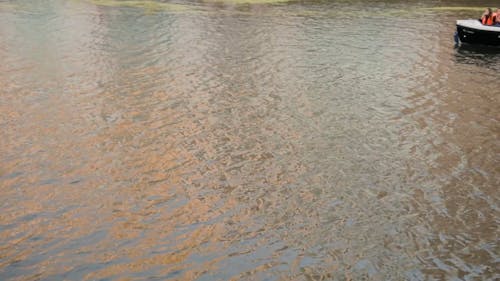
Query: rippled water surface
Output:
(218,140)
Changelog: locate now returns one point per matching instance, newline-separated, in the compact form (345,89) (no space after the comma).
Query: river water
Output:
(222,140)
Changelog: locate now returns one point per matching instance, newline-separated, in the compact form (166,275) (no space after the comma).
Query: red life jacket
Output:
(488,19)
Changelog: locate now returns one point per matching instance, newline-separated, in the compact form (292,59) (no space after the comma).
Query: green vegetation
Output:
(239,2)
(7,5)
(152,5)
(146,4)
(472,9)
(156,6)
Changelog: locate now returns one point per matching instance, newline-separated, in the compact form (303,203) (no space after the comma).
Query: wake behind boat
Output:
(474,32)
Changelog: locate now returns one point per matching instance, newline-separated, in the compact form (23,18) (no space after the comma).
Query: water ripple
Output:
(217,140)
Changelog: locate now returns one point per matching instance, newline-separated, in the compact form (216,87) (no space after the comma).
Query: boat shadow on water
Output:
(480,55)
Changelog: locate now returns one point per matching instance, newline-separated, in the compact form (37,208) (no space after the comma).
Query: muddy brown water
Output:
(309,140)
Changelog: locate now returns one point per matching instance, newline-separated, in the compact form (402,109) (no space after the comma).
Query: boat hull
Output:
(472,35)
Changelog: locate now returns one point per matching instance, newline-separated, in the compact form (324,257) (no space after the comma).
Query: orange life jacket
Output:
(488,19)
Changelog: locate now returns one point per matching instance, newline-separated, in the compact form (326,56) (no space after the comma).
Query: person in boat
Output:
(487,17)
(496,18)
